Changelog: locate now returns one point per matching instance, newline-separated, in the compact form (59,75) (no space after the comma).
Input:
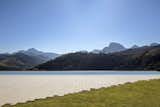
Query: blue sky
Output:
(70,25)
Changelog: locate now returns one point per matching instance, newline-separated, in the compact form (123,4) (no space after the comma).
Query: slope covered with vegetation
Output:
(24,59)
(138,94)
(18,61)
(143,58)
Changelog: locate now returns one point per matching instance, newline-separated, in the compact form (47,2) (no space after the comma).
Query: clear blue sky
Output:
(71,25)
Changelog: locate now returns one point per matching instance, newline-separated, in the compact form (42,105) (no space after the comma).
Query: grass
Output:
(138,94)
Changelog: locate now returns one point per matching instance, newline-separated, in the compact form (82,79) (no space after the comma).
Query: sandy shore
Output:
(20,88)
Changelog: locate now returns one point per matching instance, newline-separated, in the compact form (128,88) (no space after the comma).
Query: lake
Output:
(21,86)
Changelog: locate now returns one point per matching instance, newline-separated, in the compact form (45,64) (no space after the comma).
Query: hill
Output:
(143,58)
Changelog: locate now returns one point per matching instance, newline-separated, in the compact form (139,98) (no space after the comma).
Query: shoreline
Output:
(21,88)
(139,87)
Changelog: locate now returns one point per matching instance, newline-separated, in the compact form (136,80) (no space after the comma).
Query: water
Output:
(18,86)
(79,72)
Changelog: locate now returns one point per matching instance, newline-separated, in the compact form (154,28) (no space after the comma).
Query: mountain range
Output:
(117,47)
(112,57)
(137,58)
(22,60)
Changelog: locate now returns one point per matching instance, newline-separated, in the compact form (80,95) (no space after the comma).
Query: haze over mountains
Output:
(37,53)
(26,59)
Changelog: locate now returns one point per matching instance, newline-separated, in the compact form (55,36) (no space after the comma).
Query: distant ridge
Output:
(113,57)
(154,44)
(23,60)
(117,47)
(142,58)
(37,53)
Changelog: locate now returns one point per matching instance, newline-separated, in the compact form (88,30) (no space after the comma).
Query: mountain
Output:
(143,58)
(96,51)
(24,59)
(19,61)
(113,47)
(154,44)
(43,55)
(134,46)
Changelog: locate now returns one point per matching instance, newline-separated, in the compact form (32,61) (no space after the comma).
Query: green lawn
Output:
(138,94)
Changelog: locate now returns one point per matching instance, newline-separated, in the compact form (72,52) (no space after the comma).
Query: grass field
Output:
(138,94)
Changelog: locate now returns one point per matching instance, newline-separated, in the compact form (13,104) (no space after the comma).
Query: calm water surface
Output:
(78,72)
(21,86)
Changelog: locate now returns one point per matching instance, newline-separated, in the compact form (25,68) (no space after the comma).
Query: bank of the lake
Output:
(16,86)
(138,94)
